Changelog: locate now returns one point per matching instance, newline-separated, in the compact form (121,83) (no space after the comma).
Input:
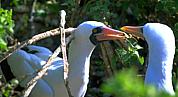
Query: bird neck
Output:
(79,60)
(159,71)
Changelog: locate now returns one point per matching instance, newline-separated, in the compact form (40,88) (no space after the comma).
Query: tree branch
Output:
(35,38)
(31,19)
(64,55)
(44,69)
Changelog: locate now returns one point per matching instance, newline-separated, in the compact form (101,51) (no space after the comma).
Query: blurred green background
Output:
(22,19)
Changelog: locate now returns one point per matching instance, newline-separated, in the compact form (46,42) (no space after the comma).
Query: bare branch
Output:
(43,71)
(31,19)
(64,54)
(107,55)
(35,38)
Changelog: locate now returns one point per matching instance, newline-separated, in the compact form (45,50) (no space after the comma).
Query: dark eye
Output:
(97,30)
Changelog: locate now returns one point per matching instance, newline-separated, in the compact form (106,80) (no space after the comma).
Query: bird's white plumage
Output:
(24,64)
(79,57)
(161,44)
(43,53)
(52,85)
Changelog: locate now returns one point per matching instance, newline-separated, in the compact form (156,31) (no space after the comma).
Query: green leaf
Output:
(6,27)
(141,60)
(3,45)
(127,84)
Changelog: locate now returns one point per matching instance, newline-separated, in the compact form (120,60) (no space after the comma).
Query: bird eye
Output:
(94,30)
(97,30)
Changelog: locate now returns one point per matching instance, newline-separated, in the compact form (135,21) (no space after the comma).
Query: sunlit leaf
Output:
(127,84)
(6,27)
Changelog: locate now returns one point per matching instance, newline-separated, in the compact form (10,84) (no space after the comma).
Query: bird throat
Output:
(79,57)
(79,60)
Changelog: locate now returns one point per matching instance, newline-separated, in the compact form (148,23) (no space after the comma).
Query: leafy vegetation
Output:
(6,27)
(127,84)
(29,17)
(8,89)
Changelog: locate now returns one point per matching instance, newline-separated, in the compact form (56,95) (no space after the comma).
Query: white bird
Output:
(161,47)
(86,36)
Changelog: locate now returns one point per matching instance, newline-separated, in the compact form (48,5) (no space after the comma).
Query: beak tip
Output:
(123,28)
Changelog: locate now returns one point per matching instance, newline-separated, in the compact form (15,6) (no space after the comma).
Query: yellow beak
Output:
(134,30)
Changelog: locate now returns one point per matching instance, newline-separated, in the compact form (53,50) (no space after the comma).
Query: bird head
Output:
(154,33)
(136,31)
(97,32)
(39,51)
(161,44)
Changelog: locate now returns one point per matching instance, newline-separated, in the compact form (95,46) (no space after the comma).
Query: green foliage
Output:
(7,90)
(6,27)
(131,56)
(169,6)
(127,84)
(112,12)
(101,13)
(15,2)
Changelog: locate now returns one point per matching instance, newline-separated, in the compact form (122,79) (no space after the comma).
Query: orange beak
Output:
(134,30)
(110,34)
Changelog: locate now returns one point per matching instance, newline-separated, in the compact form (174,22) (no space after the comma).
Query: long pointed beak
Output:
(110,34)
(134,30)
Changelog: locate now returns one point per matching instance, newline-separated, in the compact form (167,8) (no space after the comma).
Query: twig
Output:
(29,89)
(107,54)
(34,39)
(31,19)
(63,44)
(63,47)
(42,72)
